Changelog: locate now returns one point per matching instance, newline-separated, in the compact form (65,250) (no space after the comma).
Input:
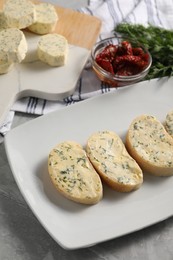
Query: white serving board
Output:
(40,80)
(74,225)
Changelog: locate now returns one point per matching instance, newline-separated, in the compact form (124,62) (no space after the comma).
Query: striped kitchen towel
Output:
(111,12)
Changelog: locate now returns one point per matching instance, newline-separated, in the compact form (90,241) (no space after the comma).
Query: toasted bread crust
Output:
(111,160)
(73,175)
(150,145)
(169,123)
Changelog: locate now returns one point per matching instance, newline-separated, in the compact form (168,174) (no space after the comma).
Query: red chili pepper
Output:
(124,72)
(126,58)
(134,64)
(106,65)
(108,53)
(127,48)
(122,60)
(145,57)
(142,64)
(138,51)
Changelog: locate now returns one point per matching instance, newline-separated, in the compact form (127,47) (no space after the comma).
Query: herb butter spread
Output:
(110,158)
(19,13)
(13,44)
(73,175)
(169,123)
(150,145)
(3,24)
(5,66)
(46,19)
(53,49)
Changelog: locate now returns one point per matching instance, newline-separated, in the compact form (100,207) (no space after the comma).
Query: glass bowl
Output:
(115,79)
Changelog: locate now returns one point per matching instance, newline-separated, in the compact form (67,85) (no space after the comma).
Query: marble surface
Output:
(23,238)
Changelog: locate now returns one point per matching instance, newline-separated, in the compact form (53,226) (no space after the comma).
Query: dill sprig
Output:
(158,41)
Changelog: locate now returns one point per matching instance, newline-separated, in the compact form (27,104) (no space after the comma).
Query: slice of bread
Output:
(169,123)
(150,145)
(73,175)
(111,160)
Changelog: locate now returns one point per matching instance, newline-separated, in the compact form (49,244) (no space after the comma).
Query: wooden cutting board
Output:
(41,81)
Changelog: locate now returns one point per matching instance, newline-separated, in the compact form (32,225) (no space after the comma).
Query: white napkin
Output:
(111,12)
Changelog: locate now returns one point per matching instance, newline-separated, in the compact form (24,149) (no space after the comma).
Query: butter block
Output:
(53,49)
(5,65)
(19,13)
(13,44)
(46,19)
(3,24)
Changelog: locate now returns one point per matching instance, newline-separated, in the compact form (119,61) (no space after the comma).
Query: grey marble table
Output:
(22,237)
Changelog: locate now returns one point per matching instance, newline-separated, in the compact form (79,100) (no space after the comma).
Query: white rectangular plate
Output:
(73,225)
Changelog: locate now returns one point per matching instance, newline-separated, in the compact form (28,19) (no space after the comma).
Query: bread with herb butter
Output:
(169,123)
(150,145)
(73,175)
(46,19)
(53,49)
(111,160)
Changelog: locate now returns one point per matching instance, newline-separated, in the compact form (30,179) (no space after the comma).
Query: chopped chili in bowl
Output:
(120,62)
(123,60)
